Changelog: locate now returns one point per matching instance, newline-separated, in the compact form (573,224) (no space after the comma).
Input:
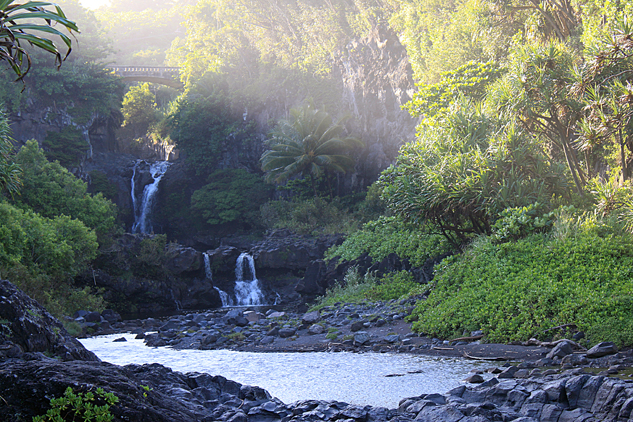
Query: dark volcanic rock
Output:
(602,349)
(30,328)
(181,259)
(171,396)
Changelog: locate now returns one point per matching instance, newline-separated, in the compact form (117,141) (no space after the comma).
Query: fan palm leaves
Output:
(32,22)
(307,144)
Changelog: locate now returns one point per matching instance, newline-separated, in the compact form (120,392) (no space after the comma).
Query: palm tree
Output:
(307,144)
(32,22)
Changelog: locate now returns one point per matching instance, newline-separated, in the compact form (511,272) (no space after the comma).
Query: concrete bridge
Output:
(158,75)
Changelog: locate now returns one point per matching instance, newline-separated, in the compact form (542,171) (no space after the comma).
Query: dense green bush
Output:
(42,255)
(231,196)
(50,190)
(313,216)
(68,146)
(86,406)
(461,173)
(394,286)
(353,289)
(357,288)
(388,235)
(581,273)
(518,222)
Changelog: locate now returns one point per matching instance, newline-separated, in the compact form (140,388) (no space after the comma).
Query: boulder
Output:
(253,316)
(181,259)
(235,317)
(357,326)
(562,349)
(361,338)
(316,329)
(169,396)
(287,332)
(311,317)
(602,349)
(111,316)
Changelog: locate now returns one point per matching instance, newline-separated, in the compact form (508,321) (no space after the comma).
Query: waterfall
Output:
(247,292)
(133,183)
(224,296)
(142,223)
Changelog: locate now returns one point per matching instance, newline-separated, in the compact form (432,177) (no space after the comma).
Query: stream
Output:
(369,378)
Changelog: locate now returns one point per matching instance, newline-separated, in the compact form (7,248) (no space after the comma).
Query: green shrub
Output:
(231,196)
(393,286)
(581,274)
(518,222)
(68,146)
(80,406)
(313,216)
(42,256)
(353,289)
(388,235)
(51,190)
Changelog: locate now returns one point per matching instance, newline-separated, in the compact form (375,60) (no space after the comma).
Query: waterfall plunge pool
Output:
(370,378)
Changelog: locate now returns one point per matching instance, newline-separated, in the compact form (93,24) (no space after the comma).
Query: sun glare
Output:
(94,4)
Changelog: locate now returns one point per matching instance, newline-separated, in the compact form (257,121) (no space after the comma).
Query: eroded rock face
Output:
(376,80)
(28,327)
(284,250)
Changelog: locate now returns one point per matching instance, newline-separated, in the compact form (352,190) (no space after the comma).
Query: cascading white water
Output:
(134,205)
(224,296)
(247,292)
(142,223)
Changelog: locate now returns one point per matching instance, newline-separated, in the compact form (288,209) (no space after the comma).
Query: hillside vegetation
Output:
(519,171)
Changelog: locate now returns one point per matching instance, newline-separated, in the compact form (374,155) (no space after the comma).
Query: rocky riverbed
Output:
(39,360)
(366,327)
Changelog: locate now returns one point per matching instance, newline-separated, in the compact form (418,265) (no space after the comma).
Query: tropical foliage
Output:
(32,22)
(307,144)
(579,274)
(461,173)
(51,190)
(231,196)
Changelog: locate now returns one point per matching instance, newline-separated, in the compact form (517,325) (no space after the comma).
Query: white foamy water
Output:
(348,377)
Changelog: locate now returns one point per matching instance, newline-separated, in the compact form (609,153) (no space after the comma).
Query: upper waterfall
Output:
(143,209)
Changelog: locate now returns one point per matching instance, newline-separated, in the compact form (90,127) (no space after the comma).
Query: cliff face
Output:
(376,81)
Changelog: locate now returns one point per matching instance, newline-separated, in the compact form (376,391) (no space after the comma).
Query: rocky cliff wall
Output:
(376,80)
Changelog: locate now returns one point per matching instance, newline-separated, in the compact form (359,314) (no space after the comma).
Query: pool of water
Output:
(378,379)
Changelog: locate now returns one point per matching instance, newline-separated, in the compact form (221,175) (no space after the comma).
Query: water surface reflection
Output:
(370,378)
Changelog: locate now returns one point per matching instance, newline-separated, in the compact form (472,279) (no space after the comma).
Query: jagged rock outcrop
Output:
(376,81)
(282,249)
(26,327)
(144,277)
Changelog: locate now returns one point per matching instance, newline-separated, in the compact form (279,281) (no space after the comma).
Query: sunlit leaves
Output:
(463,171)
(307,144)
(32,23)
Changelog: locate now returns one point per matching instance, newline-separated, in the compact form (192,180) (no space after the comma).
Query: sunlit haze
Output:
(94,4)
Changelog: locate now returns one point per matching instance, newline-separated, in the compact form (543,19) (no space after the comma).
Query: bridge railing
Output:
(155,71)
